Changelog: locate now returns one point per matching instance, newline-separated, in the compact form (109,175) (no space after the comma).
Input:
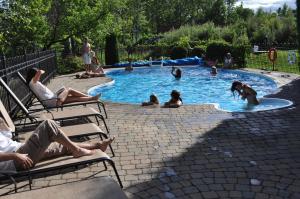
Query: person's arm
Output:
(21,159)
(172,71)
(37,76)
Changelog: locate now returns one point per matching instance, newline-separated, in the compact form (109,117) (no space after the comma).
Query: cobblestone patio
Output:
(198,151)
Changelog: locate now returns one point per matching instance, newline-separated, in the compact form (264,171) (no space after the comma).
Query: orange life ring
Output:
(272,54)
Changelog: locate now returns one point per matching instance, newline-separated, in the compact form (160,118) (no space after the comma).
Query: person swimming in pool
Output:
(245,91)
(214,71)
(176,72)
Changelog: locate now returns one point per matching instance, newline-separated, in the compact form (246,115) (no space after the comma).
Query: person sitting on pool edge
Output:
(176,72)
(245,91)
(153,101)
(62,96)
(175,100)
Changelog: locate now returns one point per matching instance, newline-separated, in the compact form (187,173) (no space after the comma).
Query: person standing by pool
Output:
(176,72)
(86,55)
(245,91)
(175,100)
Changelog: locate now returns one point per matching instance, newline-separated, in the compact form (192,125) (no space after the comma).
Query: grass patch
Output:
(261,61)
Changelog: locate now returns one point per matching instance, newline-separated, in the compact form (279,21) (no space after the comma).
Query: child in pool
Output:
(175,100)
(153,101)
(176,72)
(245,91)
(214,70)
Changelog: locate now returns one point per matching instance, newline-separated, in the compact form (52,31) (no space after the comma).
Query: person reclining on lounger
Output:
(88,75)
(47,141)
(62,96)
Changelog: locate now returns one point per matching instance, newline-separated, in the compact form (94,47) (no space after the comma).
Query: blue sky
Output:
(267,4)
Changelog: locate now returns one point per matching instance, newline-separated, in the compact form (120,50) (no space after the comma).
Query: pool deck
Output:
(198,151)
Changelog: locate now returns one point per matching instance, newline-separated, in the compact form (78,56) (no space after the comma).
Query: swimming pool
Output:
(197,86)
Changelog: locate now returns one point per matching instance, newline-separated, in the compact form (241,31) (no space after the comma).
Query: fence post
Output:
(55,60)
(3,58)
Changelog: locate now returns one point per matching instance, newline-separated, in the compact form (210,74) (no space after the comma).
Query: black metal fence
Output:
(9,67)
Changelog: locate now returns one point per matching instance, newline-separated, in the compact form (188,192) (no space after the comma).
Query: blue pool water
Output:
(197,86)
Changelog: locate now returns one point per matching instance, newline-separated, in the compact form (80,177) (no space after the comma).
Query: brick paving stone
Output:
(189,190)
(247,194)
(196,196)
(235,194)
(209,194)
(261,196)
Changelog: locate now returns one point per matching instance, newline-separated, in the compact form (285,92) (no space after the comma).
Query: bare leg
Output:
(77,93)
(99,70)
(49,141)
(71,99)
(98,145)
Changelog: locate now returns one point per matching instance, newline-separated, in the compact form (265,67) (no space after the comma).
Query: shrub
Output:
(217,50)
(178,52)
(239,53)
(197,51)
(70,64)
(161,50)
(184,42)
(111,50)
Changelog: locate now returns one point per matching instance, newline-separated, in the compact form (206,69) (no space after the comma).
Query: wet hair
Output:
(178,73)
(234,85)
(30,74)
(154,99)
(176,95)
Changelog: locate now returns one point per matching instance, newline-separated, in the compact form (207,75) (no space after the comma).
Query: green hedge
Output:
(197,51)
(111,50)
(70,64)
(178,52)
(218,49)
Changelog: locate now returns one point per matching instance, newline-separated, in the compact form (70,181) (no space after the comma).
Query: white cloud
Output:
(267,4)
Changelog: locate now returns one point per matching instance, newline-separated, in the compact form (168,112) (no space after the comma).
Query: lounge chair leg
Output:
(112,151)
(116,172)
(15,183)
(30,182)
(104,109)
(104,164)
(102,118)
(96,118)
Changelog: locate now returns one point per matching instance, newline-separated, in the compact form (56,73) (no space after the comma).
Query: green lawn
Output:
(261,61)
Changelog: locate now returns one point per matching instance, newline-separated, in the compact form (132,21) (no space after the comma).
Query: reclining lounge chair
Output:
(42,102)
(66,114)
(74,131)
(102,187)
(53,164)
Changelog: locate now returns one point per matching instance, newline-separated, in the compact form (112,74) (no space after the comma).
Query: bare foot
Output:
(104,144)
(97,96)
(82,152)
